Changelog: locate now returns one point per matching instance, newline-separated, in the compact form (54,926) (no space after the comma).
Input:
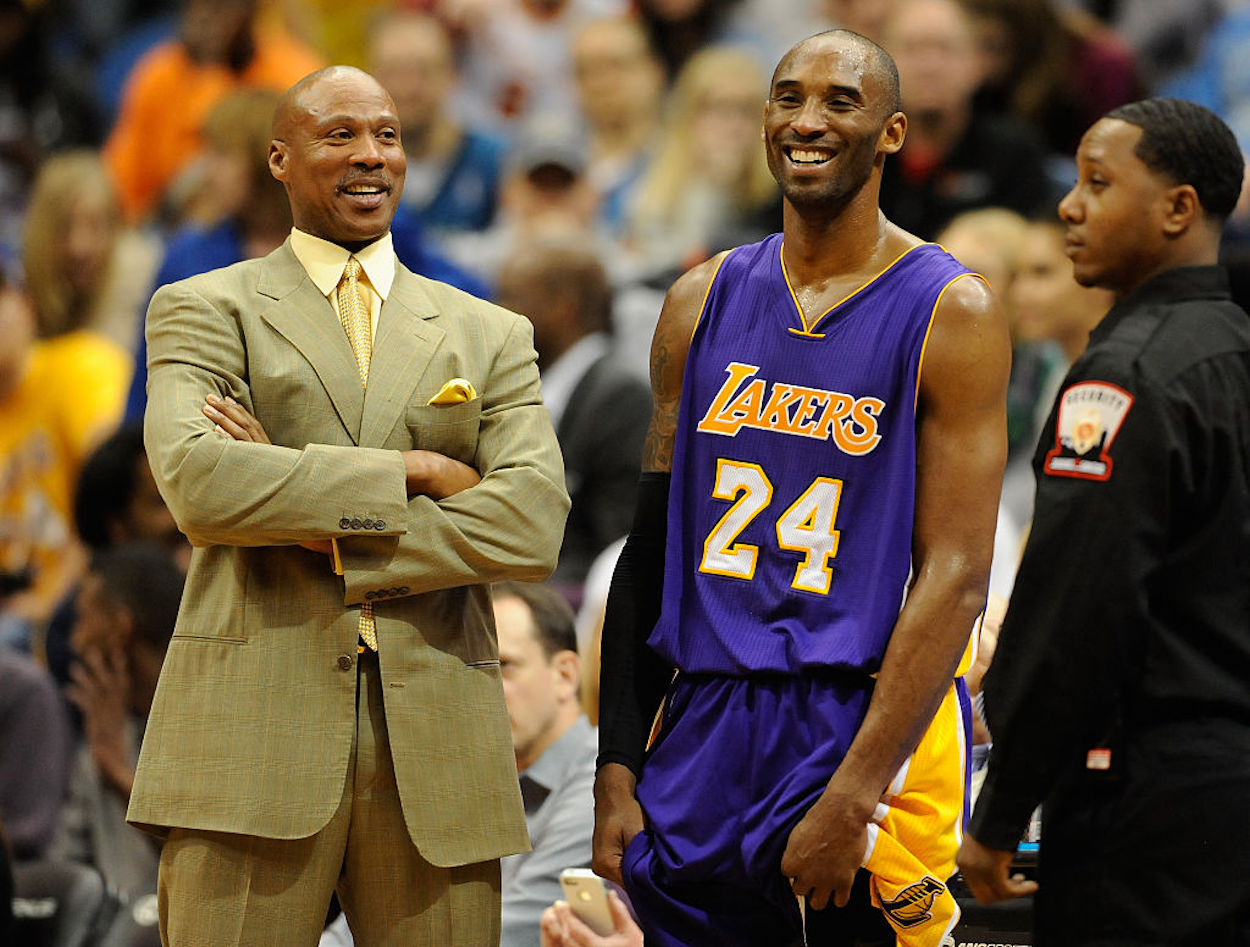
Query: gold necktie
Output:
(354,315)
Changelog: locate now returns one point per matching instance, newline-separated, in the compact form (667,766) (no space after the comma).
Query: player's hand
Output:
(825,850)
(435,475)
(618,818)
(987,872)
(234,420)
(560,927)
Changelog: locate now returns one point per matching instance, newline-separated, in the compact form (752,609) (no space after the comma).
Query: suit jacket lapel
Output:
(408,336)
(306,319)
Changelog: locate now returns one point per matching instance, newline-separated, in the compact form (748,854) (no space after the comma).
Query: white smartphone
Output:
(588,898)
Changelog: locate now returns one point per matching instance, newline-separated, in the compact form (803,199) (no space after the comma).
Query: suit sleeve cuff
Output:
(1001,818)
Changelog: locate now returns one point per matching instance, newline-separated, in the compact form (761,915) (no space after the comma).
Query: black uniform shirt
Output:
(1132,601)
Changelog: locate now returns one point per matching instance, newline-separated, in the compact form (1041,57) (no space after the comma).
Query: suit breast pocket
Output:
(450,429)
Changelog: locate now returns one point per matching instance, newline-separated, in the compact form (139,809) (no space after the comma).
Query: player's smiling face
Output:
(827,119)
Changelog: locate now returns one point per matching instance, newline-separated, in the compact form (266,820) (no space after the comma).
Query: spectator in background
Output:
(866,17)
(1052,315)
(707,186)
(115,502)
(1165,35)
(84,268)
(545,191)
(678,29)
(1046,303)
(58,398)
(126,611)
(454,170)
(620,90)
(174,86)
(956,157)
(517,60)
(562,928)
(555,750)
(1053,67)
(600,411)
(243,212)
(35,749)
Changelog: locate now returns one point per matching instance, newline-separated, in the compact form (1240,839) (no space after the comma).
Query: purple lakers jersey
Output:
(791,505)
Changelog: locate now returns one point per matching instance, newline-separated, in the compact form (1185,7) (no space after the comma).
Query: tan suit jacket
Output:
(253,721)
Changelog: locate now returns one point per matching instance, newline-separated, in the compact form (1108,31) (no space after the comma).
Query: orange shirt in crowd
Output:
(166,100)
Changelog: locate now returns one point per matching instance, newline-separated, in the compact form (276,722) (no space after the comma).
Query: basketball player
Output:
(816,517)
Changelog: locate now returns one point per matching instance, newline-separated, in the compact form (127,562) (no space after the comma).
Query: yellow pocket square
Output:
(455,391)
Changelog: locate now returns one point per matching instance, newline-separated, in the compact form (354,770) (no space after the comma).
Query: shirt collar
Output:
(1179,284)
(562,376)
(549,769)
(324,261)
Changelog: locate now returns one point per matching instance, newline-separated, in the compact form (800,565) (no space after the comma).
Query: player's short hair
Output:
(885,62)
(553,620)
(1191,145)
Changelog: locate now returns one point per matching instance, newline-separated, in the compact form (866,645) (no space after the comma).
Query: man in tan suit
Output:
(286,757)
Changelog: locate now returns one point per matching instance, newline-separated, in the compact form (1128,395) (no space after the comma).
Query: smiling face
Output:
(829,120)
(1116,212)
(337,150)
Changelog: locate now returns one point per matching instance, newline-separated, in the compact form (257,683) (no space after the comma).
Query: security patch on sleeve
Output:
(1090,416)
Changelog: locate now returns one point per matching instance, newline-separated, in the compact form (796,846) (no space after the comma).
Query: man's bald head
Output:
(299,98)
(336,148)
(880,62)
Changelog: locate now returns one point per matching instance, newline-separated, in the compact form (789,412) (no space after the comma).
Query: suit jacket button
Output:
(344,662)
(379,524)
(344,523)
(370,596)
(355,524)
(403,590)
(367,523)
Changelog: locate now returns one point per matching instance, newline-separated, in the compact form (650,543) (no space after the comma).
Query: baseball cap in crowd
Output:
(549,149)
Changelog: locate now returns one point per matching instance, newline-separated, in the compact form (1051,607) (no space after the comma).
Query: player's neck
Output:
(818,247)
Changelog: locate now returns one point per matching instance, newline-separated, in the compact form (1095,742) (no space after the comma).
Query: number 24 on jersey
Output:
(806,526)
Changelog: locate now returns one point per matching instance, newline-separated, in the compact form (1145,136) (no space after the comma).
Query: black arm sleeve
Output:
(632,677)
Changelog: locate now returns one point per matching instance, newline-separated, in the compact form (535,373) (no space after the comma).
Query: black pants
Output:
(1158,853)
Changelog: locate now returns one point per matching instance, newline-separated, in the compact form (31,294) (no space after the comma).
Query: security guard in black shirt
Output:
(1119,695)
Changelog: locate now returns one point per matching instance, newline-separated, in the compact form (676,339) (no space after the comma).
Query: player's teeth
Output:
(806,156)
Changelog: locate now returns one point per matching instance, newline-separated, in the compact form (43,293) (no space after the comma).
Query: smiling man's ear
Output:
(278,159)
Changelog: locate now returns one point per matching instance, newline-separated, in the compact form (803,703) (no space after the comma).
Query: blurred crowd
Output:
(567,159)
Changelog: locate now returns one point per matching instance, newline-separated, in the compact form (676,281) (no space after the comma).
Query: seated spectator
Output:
(987,241)
(240,211)
(1053,67)
(58,398)
(865,17)
(84,269)
(1165,35)
(545,191)
(35,751)
(600,410)
(516,63)
(126,611)
(555,750)
(620,88)
(562,928)
(175,85)
(956,157)
(454,170)
(707,186)
(115,502)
